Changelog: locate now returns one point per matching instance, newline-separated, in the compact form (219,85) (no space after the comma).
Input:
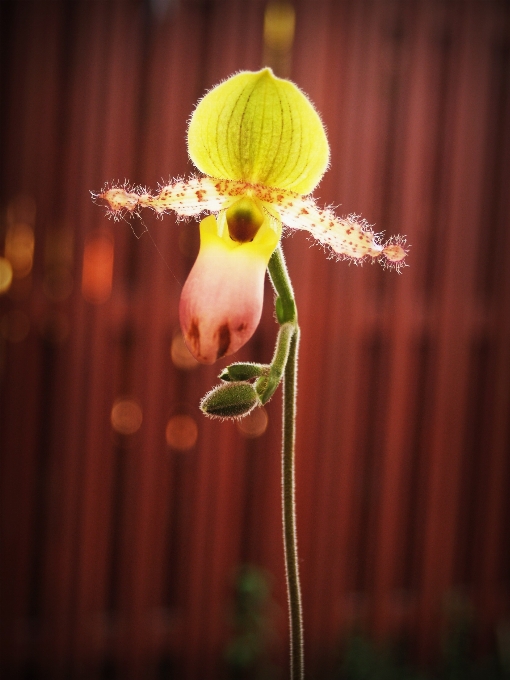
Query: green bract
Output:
(258,128)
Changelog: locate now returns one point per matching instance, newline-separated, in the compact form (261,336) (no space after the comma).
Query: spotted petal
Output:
(348,237)
(185,197)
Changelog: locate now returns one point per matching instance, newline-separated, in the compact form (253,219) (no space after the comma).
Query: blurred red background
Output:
(125,513)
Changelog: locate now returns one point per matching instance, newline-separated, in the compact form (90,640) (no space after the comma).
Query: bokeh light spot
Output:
(126,416)
(19,248)
(254,424)
(181,356)
(279,23)
(5,274)
(181,432)
(97,273)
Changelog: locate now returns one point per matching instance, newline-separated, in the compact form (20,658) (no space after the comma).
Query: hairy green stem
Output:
(285,303)
(287,317)
(289,511)
(266,385)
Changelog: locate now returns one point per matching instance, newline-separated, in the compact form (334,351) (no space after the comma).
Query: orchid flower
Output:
(262,149)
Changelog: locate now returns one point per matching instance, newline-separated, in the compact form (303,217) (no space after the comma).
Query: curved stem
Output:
(266,385)
(287,316)
(285,303)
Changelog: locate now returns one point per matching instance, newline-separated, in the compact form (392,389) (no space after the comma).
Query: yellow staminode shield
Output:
(259,128)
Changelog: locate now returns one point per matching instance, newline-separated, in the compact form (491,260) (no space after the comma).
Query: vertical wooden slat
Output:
(390,605)
(34,58)
(454,318)
(72,508)
(494,301)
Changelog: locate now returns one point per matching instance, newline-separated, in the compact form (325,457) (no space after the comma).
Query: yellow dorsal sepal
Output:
(261,129)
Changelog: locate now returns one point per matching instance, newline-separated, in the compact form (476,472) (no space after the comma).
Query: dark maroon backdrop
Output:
(119,551)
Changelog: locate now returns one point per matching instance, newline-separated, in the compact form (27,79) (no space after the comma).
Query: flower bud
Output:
(230,400)
(244,371)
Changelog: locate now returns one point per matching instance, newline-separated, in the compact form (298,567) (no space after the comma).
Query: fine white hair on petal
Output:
(347,236)
(185,197)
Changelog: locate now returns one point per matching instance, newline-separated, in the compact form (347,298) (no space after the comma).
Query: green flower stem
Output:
(287,317)
(285,303)
(266,385)
(289,511)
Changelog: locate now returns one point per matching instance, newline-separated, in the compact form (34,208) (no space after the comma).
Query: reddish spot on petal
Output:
(394,252)
(223,340)
(194,337)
